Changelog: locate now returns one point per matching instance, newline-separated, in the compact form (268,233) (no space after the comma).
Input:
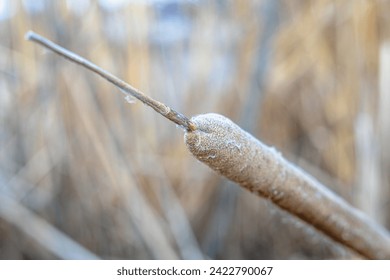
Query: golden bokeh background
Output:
(81,168)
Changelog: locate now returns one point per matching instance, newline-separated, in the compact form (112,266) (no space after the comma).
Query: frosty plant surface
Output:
(237,155)
(226,148)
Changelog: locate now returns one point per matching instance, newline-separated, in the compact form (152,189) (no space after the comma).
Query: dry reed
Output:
(55,241)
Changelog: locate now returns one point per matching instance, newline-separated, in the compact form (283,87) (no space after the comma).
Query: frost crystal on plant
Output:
(130,99)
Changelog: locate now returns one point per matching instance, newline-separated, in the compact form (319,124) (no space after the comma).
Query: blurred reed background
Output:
(85,174)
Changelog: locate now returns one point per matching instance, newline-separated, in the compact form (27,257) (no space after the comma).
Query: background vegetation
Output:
(308,77)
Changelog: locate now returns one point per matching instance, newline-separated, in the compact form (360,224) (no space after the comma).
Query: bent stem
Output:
(159,107)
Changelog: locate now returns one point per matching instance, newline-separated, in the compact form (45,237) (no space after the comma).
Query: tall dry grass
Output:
(308,77)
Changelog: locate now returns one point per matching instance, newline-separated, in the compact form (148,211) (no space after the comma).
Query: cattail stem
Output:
(159,107)
(240,157)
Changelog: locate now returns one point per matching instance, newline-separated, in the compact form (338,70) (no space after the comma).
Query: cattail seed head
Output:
(237,155)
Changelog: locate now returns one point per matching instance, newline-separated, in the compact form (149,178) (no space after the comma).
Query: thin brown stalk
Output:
(240,157)
(159,107)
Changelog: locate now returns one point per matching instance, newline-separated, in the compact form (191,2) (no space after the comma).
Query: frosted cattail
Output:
(237,155)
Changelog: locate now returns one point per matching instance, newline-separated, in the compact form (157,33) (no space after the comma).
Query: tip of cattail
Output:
(221,144)
(231,151)
(210,134)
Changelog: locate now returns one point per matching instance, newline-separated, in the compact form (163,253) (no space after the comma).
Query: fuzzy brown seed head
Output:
(240,157)
(229,150)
